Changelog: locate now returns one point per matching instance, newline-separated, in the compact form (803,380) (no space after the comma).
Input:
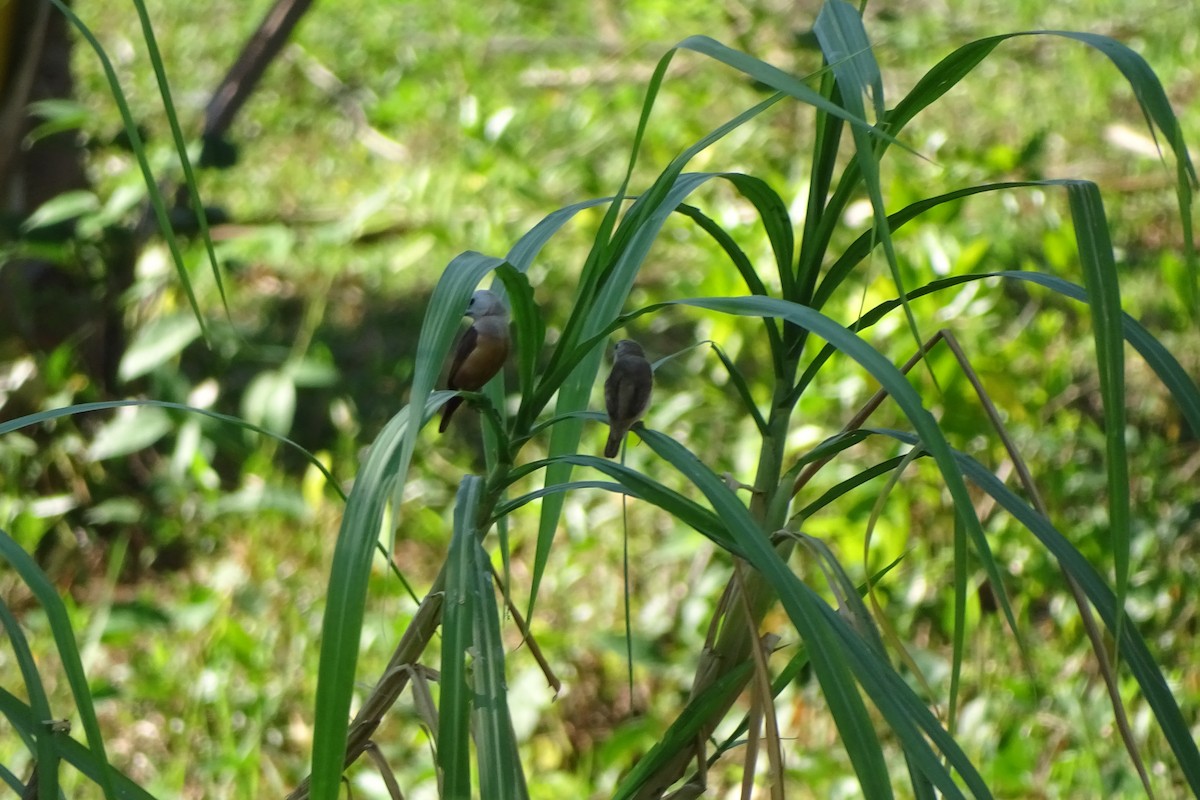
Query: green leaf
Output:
(270,401)
(181,150)
(68,652)
(530,329)
(1136,655)
(60,208)
(346,591)
(844,41)
(157,342)
(45,750)
(500,773)
(86,408)
(442,317)
(1104,298)
(25,721)
(838,652)
(58,114)
(139,151)
(458,634)
(684,729)
(129,432)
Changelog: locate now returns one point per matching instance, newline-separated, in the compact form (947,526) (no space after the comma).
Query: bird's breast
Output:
(484,361)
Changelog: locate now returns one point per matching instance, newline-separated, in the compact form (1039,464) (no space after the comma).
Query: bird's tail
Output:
(448,411)
(615,435)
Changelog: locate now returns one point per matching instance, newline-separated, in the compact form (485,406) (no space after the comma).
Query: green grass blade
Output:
(683,730)
(861,247)
(776,220)
(189,177)
(106,405)
(819,222)
(1104,298)
(527,248)
(742,386)
(737,257)
(844,41)
(902,393)
(458,633)
(828,659)
(838,653)
(346,590)
(500,773)
(139,151)
(1151,97)
(746,269)
(528,327)
(1177,379)
(789,673)
(1136,655)
(848,485)
(779,80)
(616,262)
(634,483)
(25,721)
(12,780)
(953,68)
(573,367)
(959,634)
(509,506)
(68,652)
(44,749)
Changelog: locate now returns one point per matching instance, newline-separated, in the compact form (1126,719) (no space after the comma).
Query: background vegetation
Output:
(192,554)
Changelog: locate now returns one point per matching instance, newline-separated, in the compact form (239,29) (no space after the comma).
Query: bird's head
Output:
(627,347)
(485,304)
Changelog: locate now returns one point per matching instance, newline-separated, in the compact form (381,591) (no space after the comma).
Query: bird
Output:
(626,392)
(481,351)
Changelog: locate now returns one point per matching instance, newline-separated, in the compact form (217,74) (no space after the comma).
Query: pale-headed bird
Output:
(481,350)
(626,392)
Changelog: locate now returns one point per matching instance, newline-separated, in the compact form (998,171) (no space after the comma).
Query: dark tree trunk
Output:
(44,304)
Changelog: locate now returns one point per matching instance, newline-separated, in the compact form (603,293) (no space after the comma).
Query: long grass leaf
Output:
(1136,654)
(829,661)
(683,730)
(500,773)
(68,652)
(24,720)
(44,748)
(1174,377)
(608,256)
(139,151)
(458,634)
(902,393)
(346,591)
(638,485)
(442,317)
(838,653)
(779,80)
(1104,299)
(106,405)
(189,177)
(844,42)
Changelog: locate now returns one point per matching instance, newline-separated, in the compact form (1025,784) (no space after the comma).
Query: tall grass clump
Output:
(901,730)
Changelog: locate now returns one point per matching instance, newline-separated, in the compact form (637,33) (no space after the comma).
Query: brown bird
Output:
(481,350)
(626,392)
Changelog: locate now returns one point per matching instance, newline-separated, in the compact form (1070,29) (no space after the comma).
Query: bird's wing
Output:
(643,383)
(627,390)
(465,345)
